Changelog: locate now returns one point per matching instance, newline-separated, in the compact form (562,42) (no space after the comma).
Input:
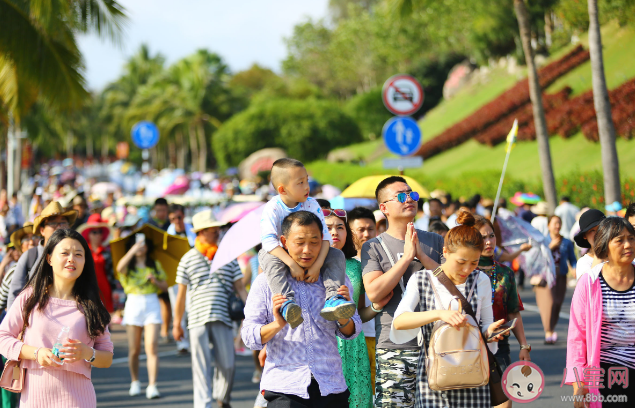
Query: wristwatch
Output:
(92,358)
(525,347)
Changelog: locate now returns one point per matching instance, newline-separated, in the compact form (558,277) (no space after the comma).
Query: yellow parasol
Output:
(168,249)
(365,187)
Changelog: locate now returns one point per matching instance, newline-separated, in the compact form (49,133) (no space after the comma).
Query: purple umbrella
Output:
(241,237)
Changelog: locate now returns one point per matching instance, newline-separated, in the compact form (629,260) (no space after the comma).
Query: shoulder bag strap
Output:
(495,373)
(392,262)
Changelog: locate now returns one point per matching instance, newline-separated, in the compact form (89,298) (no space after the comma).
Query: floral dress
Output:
(354,353)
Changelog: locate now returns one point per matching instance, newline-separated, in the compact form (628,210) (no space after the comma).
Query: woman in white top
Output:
(462,250)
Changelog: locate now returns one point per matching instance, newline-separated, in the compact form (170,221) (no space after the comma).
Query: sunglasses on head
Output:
(338,213)
(403,197)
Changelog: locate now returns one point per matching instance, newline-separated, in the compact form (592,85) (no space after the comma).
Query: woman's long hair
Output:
(85,290)
(150,263)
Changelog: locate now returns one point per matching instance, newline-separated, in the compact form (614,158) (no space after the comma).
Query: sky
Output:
(242,32)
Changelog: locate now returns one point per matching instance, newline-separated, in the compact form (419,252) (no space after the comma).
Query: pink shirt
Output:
(585,326)
(44,326)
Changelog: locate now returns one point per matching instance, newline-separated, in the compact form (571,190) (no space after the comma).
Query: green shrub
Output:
(306,129)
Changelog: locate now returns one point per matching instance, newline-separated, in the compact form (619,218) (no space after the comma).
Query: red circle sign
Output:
(402,94)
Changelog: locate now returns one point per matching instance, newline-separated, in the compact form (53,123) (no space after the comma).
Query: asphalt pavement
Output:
(175,375)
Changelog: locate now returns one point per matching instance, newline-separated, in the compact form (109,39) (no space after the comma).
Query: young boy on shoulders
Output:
(291,181)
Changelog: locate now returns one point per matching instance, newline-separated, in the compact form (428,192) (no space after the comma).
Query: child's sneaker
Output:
(292,313)
(337,307)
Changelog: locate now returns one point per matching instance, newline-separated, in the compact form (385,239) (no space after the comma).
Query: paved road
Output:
(175,377)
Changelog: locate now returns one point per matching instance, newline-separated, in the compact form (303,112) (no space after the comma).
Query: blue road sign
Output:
(145,135)
(402,135)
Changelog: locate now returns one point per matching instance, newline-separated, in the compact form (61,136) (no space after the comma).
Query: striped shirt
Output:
(6,285)
(207,296)
(617,344)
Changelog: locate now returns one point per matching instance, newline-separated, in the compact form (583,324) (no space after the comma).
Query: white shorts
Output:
(142,310)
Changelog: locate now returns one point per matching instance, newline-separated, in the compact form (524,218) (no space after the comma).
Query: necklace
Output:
(490,270)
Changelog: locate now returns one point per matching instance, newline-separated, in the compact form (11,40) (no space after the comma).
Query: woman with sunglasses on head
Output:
(354,353)
(63,294)
(96,233)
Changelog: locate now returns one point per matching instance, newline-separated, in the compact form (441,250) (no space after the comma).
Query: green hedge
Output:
(306,129)
(584,188)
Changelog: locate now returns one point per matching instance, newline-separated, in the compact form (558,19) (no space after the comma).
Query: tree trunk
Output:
(535,93)
(193,147)
(548,28)
(171,154)
(18,158)
(69,144)
(104,146)
(606,128)
(181,150)
(89,146)
(202,142)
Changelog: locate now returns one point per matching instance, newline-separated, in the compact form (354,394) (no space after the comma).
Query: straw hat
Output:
(205,219)
(541,208)
(16,237)
(94,222)
(54,209)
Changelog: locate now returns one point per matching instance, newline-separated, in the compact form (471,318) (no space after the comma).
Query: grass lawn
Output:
(618,44)
(569,155)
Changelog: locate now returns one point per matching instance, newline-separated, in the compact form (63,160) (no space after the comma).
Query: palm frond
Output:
(50,64)
(105,17)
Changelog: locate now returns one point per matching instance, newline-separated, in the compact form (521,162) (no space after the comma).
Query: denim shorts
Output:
(503,355)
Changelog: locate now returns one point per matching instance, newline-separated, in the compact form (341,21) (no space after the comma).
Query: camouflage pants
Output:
(396,378)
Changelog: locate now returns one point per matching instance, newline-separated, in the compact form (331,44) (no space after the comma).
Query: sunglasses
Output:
(403,197)
(55,225)
(337,213)
(95,232)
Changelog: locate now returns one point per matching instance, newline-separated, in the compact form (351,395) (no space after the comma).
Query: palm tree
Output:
(535,94)
(39,56)
(117,97)
(606,128)
(191,97)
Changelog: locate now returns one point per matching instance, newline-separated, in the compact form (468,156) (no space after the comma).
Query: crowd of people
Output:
(341,308)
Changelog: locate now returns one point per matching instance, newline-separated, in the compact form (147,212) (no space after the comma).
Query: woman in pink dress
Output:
(64,293)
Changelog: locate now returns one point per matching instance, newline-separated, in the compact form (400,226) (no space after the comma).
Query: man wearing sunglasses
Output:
(410,250)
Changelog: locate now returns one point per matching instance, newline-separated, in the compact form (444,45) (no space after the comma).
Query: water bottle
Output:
(60,342)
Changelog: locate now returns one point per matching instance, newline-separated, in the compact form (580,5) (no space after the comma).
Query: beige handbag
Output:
(12,378)
(456,358)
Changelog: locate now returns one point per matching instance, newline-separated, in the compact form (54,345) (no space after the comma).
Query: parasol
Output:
(180,186)
(168,249)
(538,260)
(241,237)
(236,212)
(365,187)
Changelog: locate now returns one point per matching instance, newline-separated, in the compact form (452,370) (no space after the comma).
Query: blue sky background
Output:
(240,31)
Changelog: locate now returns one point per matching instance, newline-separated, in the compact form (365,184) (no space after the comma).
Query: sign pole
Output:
(145,166)
(511,139)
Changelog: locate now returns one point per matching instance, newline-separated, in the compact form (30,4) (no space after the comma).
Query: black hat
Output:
(588,220)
